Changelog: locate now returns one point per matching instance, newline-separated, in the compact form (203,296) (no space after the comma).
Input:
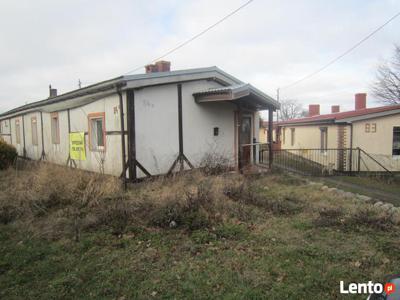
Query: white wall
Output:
(157,142)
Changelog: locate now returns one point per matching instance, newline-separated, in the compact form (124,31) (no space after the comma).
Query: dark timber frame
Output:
(270,134)
(70,162)
(43,155)
(122,119)
(181,156)
(132,162)
(23,135)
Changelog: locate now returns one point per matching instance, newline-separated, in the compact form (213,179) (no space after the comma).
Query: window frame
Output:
(55,132)
(323,139)
(292,136)
(96,116)
(373,127)
(35,137)
(396,129)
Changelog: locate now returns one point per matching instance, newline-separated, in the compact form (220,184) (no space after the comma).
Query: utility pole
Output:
(79,83)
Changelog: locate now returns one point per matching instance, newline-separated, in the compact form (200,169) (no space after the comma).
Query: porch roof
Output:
(244,94)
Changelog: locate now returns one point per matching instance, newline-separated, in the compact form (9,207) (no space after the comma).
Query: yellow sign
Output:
(77,146)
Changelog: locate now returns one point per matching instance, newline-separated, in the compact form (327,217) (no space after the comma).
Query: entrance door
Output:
(245,139)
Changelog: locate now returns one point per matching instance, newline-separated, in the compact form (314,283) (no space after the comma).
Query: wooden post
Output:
(270,134)
(41,130)
(23,134)
(240,149)
(121,113)
(130,104)
(9,123)
(180,126)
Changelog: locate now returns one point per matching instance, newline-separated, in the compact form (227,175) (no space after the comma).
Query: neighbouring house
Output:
(375,130)
(142,125)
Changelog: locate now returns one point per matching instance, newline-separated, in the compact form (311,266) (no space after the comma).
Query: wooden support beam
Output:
(270,134)
(181,159)
(43,155)
(121,113)
(23,135)
(130,107)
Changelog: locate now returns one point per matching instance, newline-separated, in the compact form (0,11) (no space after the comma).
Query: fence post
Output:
(359,160)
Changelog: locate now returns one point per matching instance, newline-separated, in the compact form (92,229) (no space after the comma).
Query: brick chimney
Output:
(360,101)
(159,66)
(52,92)
(335,109)
(313,110)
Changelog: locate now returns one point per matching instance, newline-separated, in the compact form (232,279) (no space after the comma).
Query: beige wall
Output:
(378,144)
(309,137)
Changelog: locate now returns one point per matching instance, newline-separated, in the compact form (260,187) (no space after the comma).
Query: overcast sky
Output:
(269,44)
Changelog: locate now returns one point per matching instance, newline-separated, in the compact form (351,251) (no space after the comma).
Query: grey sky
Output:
(269,43)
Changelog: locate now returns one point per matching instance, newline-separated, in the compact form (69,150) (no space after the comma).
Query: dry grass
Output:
(55,202)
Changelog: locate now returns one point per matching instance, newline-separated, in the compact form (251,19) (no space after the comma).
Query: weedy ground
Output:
(68,234)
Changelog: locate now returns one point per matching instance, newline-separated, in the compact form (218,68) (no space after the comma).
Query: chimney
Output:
(313,110)
(335,109)
(52,92)
(360,101)
(159,66)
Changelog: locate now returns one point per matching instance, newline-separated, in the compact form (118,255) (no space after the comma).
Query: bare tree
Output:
(290,109)
(387,84)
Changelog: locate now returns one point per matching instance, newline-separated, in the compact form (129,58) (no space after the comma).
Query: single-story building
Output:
(142,125)
(375,130)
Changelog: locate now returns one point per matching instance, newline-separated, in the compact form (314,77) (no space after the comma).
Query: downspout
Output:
(121,112)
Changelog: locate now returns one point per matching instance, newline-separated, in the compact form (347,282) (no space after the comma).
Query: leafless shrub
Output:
(214,163)
(116,215)
(187,209)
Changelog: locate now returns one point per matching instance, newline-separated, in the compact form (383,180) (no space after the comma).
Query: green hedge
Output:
(8,154)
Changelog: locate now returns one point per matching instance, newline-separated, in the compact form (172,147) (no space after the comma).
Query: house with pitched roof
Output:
(375,130)
(114,126)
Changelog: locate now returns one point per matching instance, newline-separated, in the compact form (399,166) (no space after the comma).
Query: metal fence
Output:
(323,162)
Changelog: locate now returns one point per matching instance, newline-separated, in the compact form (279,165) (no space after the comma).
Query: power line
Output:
(195,36)
(342,55)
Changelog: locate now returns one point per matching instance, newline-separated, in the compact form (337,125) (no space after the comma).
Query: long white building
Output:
(142,125)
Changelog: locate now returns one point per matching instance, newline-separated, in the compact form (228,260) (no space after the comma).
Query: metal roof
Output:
(347,116)
(238,91)
(135,81)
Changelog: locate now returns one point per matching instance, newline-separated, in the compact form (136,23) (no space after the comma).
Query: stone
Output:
(348,195)
(378,204)
(386,206)
(395,218)
(324,188)
(172,224)
(332,190)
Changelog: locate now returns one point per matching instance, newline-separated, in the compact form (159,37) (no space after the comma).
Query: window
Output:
(367,127)
(34,131)
(373,127)
(324,138)
(55,128)
(17,132)
(396,140)
(97,131)
(292,136)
